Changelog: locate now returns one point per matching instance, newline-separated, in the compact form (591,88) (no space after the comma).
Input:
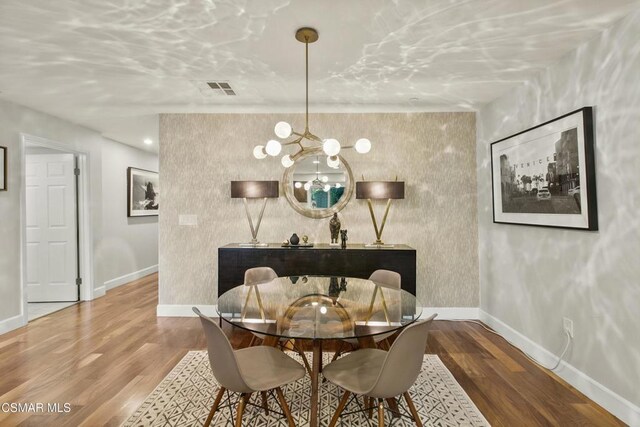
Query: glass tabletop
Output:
(318,307)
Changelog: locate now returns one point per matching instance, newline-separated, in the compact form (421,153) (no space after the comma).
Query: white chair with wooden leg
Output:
(253,277)
(247,371)
(382,279)
(379,374)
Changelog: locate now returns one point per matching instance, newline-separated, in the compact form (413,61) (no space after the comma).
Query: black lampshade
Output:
(380,190)
(254,189)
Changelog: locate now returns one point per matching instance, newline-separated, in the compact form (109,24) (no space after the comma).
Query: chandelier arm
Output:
(296,141)
(306,65)
(312,137)
(298,154)
(296,133)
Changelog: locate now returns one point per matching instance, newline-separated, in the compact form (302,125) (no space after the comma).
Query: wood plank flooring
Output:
(105,356)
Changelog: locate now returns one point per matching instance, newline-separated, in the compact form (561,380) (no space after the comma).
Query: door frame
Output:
(85,238)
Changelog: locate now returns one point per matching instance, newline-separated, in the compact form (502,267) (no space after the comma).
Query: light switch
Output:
(188,220)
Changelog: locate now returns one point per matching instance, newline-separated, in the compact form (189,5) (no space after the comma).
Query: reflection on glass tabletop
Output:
(318,307)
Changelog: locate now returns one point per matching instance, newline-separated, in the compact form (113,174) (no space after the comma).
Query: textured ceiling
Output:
(113,65)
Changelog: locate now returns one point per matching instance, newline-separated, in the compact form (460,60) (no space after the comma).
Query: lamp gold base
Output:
(254,230)
(379,245)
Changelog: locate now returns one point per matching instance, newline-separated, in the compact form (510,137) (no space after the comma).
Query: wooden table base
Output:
(315,373)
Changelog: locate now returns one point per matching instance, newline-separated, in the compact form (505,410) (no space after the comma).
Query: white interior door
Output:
(51,228)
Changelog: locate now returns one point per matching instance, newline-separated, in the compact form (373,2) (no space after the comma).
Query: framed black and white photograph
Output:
(3,168)
(143,192)
(545,175)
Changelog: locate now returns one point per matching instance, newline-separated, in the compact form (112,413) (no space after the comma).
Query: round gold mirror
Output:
(315,188)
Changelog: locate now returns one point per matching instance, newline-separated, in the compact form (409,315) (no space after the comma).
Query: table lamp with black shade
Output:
(379,190)
(254,190)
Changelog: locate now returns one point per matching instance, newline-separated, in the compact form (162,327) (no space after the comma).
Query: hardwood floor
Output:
(105,356)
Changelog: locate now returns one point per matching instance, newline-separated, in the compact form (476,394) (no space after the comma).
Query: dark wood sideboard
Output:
(322,259)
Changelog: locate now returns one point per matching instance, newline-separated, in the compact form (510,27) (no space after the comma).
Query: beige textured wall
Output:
(434,153)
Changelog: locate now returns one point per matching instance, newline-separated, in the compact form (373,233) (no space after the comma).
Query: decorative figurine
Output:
(305,239)
(294,239)
(343,236)
(334,227)
(335,288)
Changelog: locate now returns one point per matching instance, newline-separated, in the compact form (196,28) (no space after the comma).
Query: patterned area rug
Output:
(185,396)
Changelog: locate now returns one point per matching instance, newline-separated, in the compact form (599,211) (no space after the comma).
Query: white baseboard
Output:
(99,292)
(452,313)
(608,399)
(12,323)
(119,281)
(175,310)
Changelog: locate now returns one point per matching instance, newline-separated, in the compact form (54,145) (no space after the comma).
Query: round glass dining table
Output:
(318,308)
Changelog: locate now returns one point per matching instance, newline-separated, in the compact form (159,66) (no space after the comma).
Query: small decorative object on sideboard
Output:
(294,239)
(294,242)
(334,228)
(343,236)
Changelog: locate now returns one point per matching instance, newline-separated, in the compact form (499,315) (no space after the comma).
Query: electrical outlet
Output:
(568,326)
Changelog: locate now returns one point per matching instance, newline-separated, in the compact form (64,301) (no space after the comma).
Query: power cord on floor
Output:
(564,352)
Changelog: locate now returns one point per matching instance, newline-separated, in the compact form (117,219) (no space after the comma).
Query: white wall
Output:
(129,248)
(16,119)
(531,277)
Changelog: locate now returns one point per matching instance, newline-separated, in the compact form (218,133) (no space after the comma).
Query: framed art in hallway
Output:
(545,175)
(3,168)
(143,192)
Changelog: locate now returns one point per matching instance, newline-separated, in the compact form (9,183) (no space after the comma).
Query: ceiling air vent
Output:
(221,88)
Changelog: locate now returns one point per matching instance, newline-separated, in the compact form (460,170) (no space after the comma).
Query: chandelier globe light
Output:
(331,147)
(286,161)
(283,130)
(333,162)
(259,152)
(273,147)
(363,146)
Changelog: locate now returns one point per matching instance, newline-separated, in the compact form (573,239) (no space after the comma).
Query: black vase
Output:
(294,239)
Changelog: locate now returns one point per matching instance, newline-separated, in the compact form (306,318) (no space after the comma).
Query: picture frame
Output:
(143,192)
(3,168)
(545,175)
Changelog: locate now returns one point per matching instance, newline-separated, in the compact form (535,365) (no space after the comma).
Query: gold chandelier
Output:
(283,130)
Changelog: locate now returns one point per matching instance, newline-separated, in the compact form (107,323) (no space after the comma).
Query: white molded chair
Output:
(380,374)
(383,279)
(246,371)
(254,277)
